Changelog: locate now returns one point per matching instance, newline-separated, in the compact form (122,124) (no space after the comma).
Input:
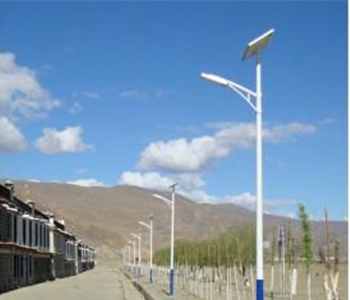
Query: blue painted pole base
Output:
(171,291)
(259,289)
(151,275)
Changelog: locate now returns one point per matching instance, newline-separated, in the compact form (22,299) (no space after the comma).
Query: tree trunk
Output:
(309,285)
(252,281)
(334,283)
(227,284)
(272,278)
(236,282)
(294,282)
(329,293)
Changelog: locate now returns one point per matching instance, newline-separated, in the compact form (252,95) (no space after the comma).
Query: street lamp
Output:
(126,257)
(254,48)
(172,204)
(133,242)
(138,237)
(129,254)
(150,227)
(125,261)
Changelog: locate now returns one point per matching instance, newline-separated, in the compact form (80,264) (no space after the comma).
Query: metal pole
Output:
(151,252)
(283,267)
(134,244)
(139,255)
(124,258)
(129,249)
(172,242)
(259,187)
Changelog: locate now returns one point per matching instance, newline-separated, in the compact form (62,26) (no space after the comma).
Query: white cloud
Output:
(21,97)
(68,140)
(190,181)
(141,93)
(87,182)
(327,121)
(75,108)
(280,133)
(82,171)
(92,95)
(187,129)
(154,180)
(245,199)
(35,180)
(192,186)
(20,92)
(55,181)
(134,93)
(11,137)
(248,200)
(198,154)
(199,196)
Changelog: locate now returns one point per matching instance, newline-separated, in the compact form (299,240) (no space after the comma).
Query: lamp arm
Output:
(240,91)
(144,224)
(241,88)
(167,201)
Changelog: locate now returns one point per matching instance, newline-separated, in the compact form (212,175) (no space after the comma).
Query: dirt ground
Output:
(317,289)
(110,284)
(219,292)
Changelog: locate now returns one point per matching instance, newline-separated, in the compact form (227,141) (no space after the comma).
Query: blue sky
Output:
(109,92)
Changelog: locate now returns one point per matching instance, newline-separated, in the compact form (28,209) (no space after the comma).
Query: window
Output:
(15,228)
(24,226)
(36,234)
(30,233)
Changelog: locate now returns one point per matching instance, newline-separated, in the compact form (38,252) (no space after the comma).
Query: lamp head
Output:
(256,46)
(214,78)
(172,186)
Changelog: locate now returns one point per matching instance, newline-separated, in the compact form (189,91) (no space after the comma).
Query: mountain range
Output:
(105,216)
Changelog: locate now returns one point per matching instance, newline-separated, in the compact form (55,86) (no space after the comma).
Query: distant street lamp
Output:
(129,255)
(125,259)
(134,248)
(150,227)
(171,203)
(254,49)
(138,236)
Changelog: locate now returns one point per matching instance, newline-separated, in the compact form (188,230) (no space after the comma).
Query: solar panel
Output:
(257,45)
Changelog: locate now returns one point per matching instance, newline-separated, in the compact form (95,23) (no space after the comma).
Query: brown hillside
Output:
(104,217)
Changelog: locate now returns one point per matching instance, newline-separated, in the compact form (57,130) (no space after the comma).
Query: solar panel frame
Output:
(257,45)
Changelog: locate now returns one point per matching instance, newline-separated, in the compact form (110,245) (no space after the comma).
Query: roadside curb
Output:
(139,287)
(143,291)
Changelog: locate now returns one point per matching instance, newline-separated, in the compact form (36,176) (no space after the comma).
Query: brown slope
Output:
(105,217)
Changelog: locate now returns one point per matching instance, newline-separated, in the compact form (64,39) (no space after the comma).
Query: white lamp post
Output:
(172,204)
(125,260)
(134,250)
(129,254)
(254,49)
(150,227)
(138,237)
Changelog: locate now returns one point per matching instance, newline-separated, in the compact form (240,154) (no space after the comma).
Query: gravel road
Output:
(98,284)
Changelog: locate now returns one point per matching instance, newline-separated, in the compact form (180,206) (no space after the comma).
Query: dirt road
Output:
(98,284)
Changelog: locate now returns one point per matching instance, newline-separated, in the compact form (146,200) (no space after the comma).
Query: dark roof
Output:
(6,193)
